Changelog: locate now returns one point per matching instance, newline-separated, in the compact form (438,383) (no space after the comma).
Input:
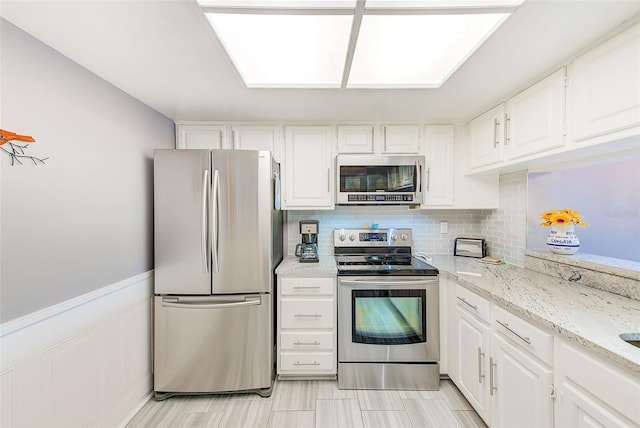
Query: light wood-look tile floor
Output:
(314,404)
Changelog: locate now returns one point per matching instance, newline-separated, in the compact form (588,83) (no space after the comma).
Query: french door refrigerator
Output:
(218,240)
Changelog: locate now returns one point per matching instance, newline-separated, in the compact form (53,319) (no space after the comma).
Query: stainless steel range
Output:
(388,318)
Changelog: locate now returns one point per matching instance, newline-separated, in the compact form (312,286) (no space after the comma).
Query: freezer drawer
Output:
(213,343)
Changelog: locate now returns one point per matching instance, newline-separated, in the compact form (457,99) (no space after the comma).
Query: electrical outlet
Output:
(444,227)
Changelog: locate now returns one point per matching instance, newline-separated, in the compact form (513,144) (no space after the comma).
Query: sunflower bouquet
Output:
(563,217)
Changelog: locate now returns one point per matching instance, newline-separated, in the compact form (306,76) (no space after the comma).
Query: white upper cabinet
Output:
(401,139)
(355,139)
(257,137)
(438,181)
(308,168)
(200,136)
(487,137)
(531,122)
(535,118)
(606,88)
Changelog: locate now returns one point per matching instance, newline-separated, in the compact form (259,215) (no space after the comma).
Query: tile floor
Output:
(309,404)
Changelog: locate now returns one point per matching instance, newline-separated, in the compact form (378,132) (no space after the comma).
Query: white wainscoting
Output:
(85,362)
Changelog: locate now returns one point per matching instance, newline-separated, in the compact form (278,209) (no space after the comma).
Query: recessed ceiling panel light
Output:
(416,50)
(271,50)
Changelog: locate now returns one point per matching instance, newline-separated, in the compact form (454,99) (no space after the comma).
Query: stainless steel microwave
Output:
(379,180)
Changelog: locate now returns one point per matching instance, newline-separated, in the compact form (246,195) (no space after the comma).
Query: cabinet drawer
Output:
(523,334)
(306,341)
(307,362)
(307,313)
(307,286)
(475,304)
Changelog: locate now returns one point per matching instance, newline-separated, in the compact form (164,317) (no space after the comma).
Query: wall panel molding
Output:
(83,362)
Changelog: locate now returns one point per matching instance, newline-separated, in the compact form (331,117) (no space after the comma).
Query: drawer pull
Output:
(523,338)
(308,315)
(315,342)
(298,363)
(462,299)
(309,287)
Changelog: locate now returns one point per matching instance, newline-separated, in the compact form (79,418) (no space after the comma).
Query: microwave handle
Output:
(419,168)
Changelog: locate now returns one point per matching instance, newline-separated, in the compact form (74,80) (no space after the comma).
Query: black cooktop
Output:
(383,264)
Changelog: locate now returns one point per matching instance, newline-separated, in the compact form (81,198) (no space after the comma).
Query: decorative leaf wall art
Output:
(16,151)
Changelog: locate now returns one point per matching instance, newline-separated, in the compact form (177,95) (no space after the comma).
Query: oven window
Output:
(386,178)
(388,317)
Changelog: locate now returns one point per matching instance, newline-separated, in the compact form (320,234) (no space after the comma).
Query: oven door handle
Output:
(374,282)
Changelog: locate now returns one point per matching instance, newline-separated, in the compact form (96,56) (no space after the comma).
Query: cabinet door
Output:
(592,391)
(308,177)
(401,139)
(535,118)
(487,137)
(439,165)
(606,87)
(355,139)
(473,354)
(522,394)
(258,138)
(194,136)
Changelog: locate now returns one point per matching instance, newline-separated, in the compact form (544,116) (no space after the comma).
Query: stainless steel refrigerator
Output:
(218,240)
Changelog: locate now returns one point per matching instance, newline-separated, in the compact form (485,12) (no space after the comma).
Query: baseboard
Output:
(83,362)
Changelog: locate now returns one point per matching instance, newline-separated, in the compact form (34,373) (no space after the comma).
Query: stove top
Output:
(378,252)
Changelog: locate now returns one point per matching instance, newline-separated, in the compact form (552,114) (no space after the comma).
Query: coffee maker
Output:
(308,250)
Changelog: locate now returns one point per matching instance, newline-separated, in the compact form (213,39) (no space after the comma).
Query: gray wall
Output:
(83,220)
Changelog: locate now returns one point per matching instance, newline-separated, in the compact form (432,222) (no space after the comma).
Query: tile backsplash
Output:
(504,228)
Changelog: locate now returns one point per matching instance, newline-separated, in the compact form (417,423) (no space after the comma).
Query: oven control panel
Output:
(372,238)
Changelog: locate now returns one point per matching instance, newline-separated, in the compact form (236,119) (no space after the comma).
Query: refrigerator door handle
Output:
(215,245)
(210,304)
(205,223)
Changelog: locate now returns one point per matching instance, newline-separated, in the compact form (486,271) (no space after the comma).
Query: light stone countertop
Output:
(582,314)
(291,266)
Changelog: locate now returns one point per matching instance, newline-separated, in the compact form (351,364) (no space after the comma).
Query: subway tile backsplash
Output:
(504,228)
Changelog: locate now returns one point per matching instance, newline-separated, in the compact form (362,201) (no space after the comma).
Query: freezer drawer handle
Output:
(315,342)
(308,315)
(298,363)
(313,287)
(211,304)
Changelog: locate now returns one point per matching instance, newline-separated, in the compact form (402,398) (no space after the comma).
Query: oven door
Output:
(388,319)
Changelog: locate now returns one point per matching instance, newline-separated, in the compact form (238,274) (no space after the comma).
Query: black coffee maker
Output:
(308,250)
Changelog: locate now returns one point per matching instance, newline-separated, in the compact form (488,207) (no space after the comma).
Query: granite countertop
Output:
(585,315)
(582,314)
(291,265)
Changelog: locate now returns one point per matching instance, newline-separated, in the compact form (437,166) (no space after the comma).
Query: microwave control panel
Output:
(354,197)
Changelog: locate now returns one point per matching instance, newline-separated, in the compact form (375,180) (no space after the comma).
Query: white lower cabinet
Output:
(593,392)
(306,323)
(509,384)
(473,337)
(515,374)
(521,376)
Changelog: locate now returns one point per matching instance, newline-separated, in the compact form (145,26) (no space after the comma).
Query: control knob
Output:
(394,237)
(404,236)
(352,237)
(342,236)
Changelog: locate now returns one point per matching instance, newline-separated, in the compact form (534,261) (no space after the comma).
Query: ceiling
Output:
(164,53)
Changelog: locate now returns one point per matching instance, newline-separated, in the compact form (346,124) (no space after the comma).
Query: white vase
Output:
(562,240)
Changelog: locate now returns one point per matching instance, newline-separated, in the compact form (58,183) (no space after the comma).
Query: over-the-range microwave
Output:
(379,180)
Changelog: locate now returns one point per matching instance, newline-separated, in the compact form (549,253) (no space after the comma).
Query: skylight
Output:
(352,43)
